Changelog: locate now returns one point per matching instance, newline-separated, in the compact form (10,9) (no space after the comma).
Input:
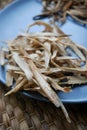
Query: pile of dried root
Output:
(59,9)
(44,62)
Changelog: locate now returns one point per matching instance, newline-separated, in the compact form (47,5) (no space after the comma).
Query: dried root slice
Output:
(17,87)
(2,56)
(40,61)
(71,80)
(9,79)
(22,64)
(56,86)
(47,54)
(43,84)
(60,9)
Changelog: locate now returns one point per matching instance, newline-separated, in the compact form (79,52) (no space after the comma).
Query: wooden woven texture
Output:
(21,113)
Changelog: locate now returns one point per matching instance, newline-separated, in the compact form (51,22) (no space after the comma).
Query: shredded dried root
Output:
(41,62)
(60,9)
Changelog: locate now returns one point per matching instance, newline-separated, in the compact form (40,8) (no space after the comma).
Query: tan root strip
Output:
(16,88)
(75,80)
(2,59)
(22,65)
(47,55)
(76,9)
(56,86)
(43,84)
(9,79)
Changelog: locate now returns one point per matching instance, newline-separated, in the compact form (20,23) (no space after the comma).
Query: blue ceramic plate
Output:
(15,18)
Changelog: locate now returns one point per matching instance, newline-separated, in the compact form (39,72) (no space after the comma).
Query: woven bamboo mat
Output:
(21,113)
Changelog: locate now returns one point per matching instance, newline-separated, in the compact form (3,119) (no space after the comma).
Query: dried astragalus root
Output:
(44,62)
(60,9)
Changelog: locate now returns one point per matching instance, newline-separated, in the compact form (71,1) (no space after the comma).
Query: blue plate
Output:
(16,17)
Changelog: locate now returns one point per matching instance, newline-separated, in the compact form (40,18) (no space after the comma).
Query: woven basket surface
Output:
(21,113)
